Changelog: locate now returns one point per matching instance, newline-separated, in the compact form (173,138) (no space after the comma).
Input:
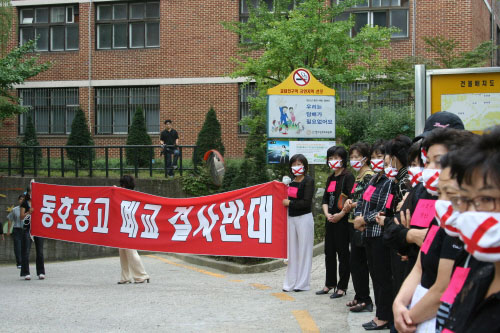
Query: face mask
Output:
(430,178)
(446,217)
(415,174)
(391,172)
(423,155)
(480,232)
(297,170)
(377,165)
(335,164)
(357,165)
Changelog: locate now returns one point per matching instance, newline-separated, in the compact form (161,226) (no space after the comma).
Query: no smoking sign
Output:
(301,77)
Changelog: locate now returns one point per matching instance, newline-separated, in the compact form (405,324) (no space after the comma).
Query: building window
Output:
(128,25)
(116,106)
(56,27)
(245,91)
(52,110)
(382,13)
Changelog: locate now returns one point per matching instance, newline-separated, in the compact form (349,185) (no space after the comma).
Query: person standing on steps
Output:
(169,139)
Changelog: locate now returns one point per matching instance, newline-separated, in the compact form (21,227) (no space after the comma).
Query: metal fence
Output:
(23,160)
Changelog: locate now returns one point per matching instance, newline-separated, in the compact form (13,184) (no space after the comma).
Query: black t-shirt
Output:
(441,247)
(302,203)
(169,137)
(471,312)
(343,185)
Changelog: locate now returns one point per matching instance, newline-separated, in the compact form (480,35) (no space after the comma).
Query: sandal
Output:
(336,294)
(352,303)
(362,307)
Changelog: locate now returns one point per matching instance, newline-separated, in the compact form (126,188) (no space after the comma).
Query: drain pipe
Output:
(414,33)
(90,64)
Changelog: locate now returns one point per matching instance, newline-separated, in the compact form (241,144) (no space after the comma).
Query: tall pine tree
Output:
(138,135)
(210,137)
(80,136)
(31,155)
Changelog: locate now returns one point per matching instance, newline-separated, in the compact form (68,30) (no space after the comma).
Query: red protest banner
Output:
(250,222)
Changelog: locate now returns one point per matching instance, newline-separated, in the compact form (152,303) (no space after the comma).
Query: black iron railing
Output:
(20,160)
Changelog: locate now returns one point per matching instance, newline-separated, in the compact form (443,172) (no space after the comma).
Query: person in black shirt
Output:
(338,189)
(430,276)
(25,216)
(477,169)
(169,138)
(300,226)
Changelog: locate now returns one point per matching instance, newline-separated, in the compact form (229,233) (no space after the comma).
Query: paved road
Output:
(82,296)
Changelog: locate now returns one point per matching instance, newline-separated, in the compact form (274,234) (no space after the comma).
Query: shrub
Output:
(80,136)
(210,137)
(138,135)
(31,155)
(364,124)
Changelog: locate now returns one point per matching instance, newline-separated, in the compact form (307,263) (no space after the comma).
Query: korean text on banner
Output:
(250,222)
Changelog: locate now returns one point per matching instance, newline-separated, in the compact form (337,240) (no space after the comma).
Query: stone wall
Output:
(11,187)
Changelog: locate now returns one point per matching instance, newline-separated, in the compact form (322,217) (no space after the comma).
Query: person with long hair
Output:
(300,226)
(130,261)
(25,215)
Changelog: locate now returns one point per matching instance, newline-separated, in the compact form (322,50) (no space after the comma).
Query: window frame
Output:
(250,90)
(51,107)
(129,22)
(115,93)
(403,5)
(49,25)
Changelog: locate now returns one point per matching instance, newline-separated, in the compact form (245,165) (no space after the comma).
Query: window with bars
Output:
(128,25)
(56,27)
(115,108)
(246,90)
(52,110)
(382,13)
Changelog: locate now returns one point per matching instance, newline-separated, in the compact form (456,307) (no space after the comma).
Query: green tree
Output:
(310,36)
(209,137)
(138,135)
(31,155)
(16,66)
(400,73)
(80,136)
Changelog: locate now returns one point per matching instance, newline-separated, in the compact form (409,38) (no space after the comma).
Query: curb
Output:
(230,267)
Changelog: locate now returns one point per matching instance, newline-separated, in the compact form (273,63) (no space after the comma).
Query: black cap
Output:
(442,119)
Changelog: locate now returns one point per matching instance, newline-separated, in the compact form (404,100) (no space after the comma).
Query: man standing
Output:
(17,231)
(170,140)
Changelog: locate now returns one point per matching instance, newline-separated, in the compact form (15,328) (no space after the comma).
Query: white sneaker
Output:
(41,276)
(27,277)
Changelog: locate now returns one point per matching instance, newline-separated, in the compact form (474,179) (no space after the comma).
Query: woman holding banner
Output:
(300,226)
(130,261)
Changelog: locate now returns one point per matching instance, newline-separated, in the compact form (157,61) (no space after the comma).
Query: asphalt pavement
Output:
(83,296)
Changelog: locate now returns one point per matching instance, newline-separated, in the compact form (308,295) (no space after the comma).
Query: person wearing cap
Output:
(169,139)
(441,119)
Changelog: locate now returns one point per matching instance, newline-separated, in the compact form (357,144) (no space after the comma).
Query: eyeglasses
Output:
(481,203)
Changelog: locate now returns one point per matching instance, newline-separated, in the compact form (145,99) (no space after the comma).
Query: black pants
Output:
(359,271)
(25,254)
(17,235)
(169,152)
(399,270)
(379,264)
(337,243)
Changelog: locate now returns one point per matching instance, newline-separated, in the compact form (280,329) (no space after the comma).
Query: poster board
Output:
(301,107)
(473,94)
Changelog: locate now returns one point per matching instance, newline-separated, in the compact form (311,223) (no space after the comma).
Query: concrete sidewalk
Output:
(82,296)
